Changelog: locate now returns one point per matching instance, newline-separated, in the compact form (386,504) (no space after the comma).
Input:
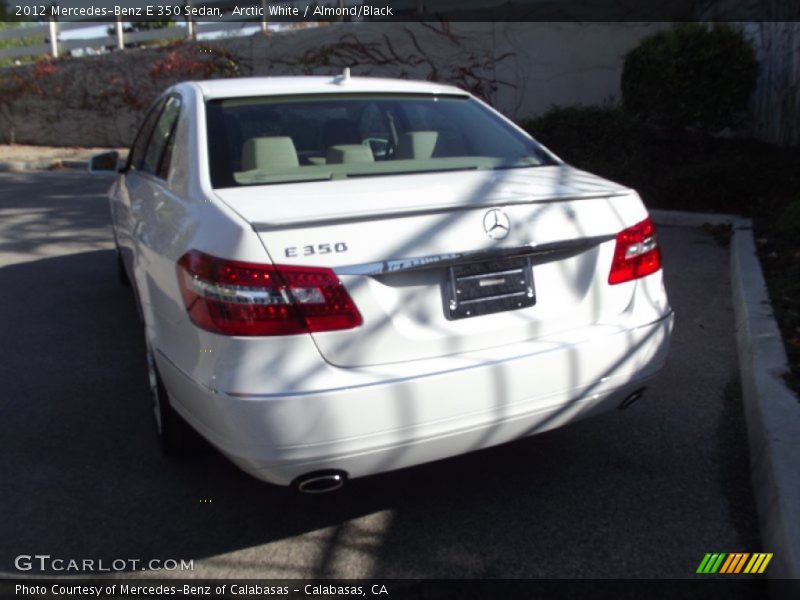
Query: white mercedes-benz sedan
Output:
(343,276)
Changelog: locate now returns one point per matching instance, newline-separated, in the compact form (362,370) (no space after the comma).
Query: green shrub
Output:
(789,223)
(585,129)
(690,75)
(601,139)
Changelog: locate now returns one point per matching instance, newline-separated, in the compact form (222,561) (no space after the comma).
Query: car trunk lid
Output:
(443,263)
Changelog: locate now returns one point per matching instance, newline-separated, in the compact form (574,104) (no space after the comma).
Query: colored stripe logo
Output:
(734,563)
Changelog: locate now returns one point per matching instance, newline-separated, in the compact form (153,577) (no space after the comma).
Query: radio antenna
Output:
(344,77)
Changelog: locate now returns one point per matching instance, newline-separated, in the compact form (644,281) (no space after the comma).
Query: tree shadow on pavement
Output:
(84,477)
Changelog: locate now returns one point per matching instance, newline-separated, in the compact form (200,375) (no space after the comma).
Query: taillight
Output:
(637,253)
(241,298)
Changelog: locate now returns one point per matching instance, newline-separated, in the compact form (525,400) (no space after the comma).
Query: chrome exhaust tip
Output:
(631,398)
(320,482)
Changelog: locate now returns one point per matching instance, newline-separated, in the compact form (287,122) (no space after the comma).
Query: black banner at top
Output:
(401,10)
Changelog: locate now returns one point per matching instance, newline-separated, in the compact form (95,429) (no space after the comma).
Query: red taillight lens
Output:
(240,298)
(637,253)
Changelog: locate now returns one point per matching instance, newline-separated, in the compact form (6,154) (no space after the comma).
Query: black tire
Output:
(122,272)
(176,437)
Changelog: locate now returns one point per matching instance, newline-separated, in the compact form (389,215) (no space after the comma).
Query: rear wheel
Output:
(174,434)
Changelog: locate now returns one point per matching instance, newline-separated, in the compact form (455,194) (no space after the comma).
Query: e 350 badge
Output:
(313,249)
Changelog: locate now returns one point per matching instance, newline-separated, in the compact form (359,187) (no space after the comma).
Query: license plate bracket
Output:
(491,286)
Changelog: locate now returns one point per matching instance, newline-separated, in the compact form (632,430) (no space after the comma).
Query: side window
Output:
(166,158)
(162,134)
(136,155)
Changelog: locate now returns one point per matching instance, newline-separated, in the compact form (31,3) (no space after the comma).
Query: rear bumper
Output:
(488,399)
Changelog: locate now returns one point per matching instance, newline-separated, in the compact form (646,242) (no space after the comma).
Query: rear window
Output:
(262,140)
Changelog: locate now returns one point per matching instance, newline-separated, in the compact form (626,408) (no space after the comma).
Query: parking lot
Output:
(644,492)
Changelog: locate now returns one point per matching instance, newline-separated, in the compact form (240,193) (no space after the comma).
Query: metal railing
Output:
(45,38)
(52,45)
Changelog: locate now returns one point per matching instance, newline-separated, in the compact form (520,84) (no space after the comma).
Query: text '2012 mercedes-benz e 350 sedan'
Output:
(344,276)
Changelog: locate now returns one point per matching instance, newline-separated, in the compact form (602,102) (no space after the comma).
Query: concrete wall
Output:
(521,68)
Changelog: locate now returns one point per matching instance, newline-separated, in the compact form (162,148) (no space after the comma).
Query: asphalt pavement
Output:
(644,492)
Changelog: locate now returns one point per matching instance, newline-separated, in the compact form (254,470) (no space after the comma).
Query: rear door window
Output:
(160,141)
(137,152)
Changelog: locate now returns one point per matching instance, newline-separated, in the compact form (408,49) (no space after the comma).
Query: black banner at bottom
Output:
(399,589)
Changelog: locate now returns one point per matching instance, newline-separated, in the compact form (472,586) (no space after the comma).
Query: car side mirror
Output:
(107,162)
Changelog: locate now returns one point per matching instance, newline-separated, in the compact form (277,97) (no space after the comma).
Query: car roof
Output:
(269,86)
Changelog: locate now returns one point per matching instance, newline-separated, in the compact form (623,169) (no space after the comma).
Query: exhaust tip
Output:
(320,482)
(631,398)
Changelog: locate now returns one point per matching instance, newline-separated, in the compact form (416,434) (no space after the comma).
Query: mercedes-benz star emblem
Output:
(496,224)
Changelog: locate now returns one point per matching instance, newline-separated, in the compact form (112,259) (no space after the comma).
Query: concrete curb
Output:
(42,164)
(71,163)
(771,409)
(13,166)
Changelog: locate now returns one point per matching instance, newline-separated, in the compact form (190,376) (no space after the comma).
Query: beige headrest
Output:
(349,153)
(417,144)
(269,153)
